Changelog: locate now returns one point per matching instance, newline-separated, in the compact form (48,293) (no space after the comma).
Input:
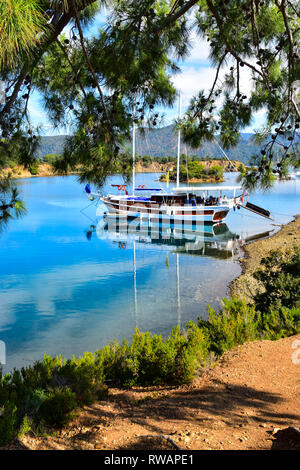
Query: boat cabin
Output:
(183,199)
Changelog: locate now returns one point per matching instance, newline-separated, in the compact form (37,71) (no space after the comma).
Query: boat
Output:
(206,204)
(181,205)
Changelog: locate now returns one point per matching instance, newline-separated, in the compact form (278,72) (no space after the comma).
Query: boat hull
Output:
(174,214)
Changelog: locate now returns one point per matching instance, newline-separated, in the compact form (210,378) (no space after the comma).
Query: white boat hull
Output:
(175,214)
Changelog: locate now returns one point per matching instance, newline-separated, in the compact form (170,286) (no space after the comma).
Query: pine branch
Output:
(87,59)
(58,23)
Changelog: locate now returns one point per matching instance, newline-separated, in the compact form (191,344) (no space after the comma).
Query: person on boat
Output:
(193,200)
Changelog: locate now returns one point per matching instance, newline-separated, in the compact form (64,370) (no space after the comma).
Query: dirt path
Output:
(253,390)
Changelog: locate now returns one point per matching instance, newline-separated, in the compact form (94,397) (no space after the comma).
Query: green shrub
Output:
(8,422)
(280,278)
(57,409)
(83,375)
(25,427)
(276,324)
(191,354)
(152,360)
(51,158)
(62,385)
(235,324)
(34,168)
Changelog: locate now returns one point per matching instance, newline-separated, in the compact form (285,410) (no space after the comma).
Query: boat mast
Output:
(178,142)
(133,149)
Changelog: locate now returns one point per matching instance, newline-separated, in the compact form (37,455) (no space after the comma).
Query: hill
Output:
(161,142)
(51,145)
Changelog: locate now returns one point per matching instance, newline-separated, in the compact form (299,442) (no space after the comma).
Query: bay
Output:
(66,288)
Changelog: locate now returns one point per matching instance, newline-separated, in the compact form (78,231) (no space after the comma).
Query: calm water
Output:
(66,289)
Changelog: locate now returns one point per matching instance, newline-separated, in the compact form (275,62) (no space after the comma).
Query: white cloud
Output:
(191,80)
(200,49)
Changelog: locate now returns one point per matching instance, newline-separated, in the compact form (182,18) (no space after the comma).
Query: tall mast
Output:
(178,142)
(133,150)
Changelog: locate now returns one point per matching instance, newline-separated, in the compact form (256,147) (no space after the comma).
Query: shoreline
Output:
(286,237)
(196,180)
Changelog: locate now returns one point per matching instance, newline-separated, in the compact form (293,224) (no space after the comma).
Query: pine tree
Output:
(101,84)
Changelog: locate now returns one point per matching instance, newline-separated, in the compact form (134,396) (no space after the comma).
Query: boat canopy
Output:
(189,189)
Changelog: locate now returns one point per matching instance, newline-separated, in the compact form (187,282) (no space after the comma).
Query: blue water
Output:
(67,289)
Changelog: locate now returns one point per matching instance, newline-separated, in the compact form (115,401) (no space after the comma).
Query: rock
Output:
(288,438)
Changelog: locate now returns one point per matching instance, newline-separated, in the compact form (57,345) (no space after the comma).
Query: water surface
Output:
(65,288)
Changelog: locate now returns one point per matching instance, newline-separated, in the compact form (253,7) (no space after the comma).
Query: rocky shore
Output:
(46,170)
(18,172)
(287,237)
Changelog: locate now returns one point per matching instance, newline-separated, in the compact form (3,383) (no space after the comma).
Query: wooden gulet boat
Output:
(191,205)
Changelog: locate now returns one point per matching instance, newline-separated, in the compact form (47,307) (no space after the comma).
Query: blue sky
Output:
(196,73)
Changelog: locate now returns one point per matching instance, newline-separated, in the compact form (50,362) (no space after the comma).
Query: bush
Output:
(280,278)
(25,427)
(51,158)
(8,422)
(83,375)
(34,168)
(235,324)
(49,384)
(152,360)
(276,324)
(58,407)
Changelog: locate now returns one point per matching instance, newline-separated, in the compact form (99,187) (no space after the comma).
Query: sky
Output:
(196,72)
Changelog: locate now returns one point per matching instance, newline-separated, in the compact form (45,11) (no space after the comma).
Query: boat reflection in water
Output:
(202,239)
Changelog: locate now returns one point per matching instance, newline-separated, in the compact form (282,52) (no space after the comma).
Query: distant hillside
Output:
(163,142)
(51,144)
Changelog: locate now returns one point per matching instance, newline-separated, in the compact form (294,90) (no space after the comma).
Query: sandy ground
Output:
(238,403)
